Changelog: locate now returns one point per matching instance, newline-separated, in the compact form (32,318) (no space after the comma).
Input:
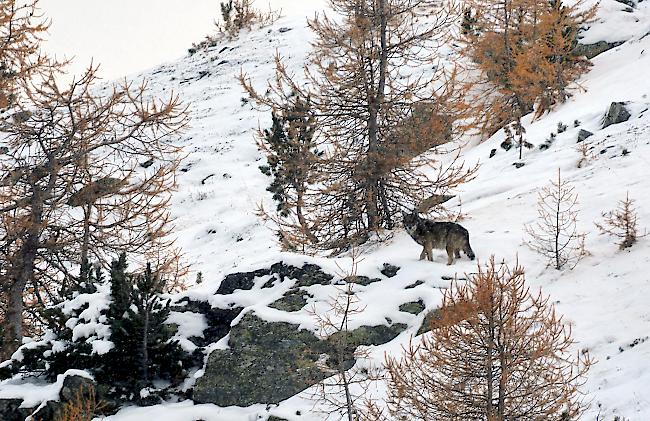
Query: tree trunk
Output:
(25,263)
(375,105)
(145,344)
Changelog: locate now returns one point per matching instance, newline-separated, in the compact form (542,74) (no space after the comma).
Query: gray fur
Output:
(448,236)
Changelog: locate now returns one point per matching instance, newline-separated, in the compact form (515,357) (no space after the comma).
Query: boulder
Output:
(414,307)
(268,362)
(48,412)
(584,134)
(265,363)
(616,114)
(243,281)
(218,319)
(389,270)
(75,386)
(10,410)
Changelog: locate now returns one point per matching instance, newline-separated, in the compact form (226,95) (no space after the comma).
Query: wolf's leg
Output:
(424,250)
(429,249)
(450,255)
(457,253)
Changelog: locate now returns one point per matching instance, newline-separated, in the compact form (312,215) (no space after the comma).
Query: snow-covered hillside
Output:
(604,298)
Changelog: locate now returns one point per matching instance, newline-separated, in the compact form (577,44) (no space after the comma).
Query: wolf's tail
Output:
(468,249)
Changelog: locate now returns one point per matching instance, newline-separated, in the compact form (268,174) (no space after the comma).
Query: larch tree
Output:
(497,352)
(365,81)
(524,53)
(555,234)
(71,186)
(561,66)
(21,28)
(622,223)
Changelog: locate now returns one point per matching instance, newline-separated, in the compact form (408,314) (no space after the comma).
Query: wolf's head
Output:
(410,219)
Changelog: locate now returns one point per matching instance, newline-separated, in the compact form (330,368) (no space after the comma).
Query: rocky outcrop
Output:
(265,363)
(268,362)
(292,300)
(592,50)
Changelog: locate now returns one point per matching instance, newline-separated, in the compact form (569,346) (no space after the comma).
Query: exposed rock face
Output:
(592,50)
(243,281)
(293,300)
(616,114)
(268,362)
(265,363)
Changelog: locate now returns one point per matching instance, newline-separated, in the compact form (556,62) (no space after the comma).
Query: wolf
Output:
(448,236)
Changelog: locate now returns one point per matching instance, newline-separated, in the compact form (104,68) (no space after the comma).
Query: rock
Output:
(362,280)
(21,116)
(616,114)
(307,276)
(48,412)
(426,323)
(414,307)
(592,50)
(414,284)
(265,363)
(493,152)
(292,300)
(631,4)
(218,320)
(75,385)
(584,134)
(10,410)
(506,145)
(243,281)
(284,29)
(268,362)
(389,270)
(371,335)
(519,164)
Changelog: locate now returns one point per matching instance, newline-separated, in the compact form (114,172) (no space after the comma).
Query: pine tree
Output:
(497,352)
(292,161)
(143,349)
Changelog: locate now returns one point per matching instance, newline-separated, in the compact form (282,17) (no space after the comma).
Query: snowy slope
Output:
(604,298)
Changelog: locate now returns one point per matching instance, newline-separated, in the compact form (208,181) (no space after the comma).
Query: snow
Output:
(32,393)
(604,299)
(189,325)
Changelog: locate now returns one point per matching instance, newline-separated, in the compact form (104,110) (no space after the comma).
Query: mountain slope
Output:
(604,298)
